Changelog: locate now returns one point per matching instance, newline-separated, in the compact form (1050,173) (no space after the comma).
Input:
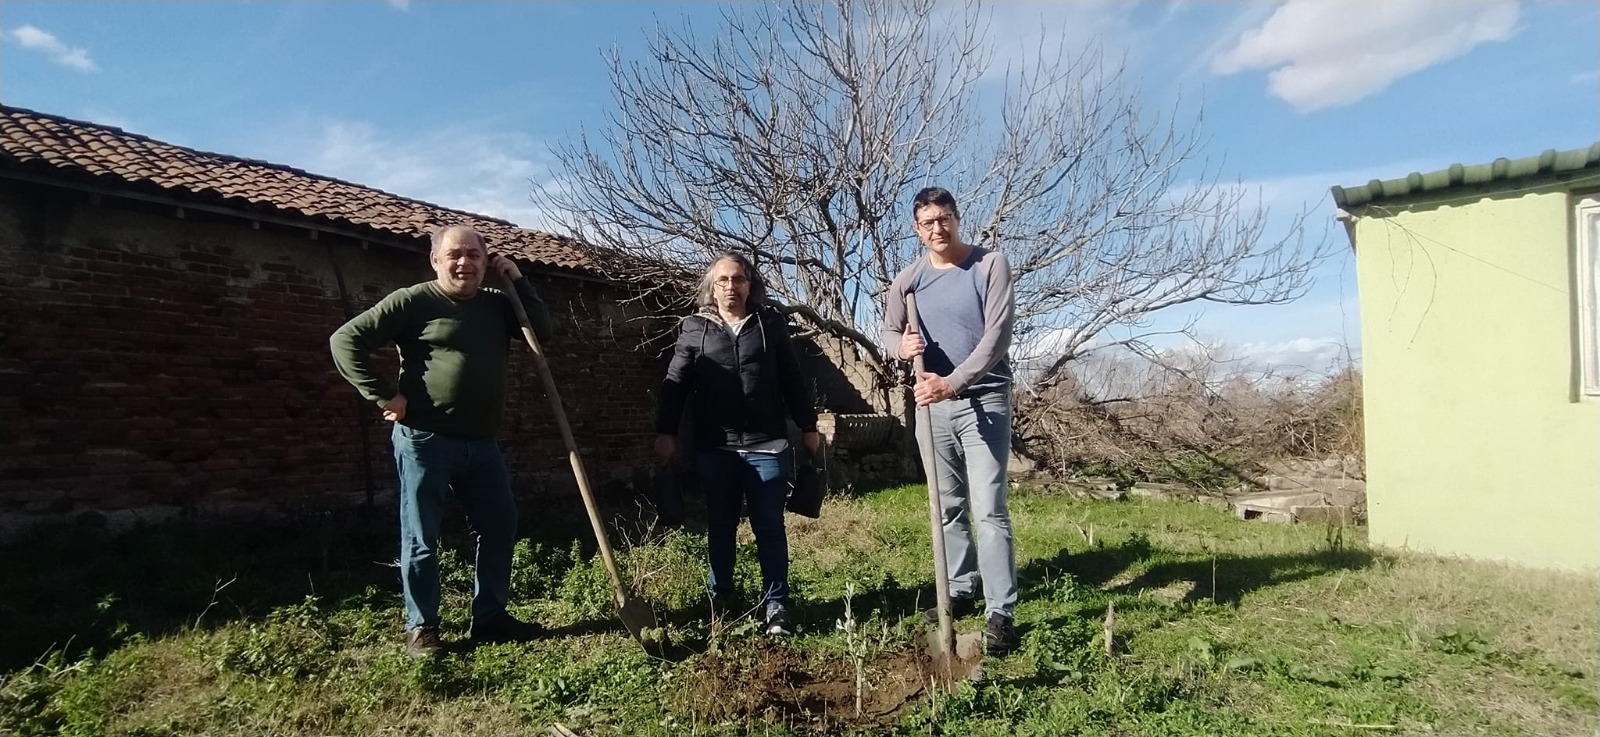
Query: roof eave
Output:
(1575,168)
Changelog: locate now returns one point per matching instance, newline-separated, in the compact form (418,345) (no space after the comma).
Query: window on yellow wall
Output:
(1588,286)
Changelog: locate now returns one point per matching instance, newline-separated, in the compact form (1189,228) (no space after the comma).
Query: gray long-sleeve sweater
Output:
(966,313)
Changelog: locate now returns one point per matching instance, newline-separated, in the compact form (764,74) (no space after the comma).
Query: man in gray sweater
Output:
(966,306)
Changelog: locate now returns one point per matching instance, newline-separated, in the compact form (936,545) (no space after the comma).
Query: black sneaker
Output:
(505,628)
(423,642)
(778,622)
(1000,636)
(960,606)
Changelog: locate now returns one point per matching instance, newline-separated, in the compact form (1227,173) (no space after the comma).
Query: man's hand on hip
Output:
(931,388)
(394,410)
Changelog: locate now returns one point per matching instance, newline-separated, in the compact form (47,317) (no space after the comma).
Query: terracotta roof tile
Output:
(90,152)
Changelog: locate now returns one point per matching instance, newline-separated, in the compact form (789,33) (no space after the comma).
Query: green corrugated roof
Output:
(1551,163)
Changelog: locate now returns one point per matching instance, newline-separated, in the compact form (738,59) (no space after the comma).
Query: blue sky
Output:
(456,102)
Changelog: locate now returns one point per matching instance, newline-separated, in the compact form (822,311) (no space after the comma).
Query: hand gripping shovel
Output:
(636,615)
(951,659)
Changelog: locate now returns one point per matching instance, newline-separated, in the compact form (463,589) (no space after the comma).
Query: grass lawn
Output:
(1221,627)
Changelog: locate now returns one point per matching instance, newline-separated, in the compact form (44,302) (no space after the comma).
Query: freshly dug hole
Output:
(770,682)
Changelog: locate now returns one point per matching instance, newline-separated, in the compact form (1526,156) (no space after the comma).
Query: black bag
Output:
(805,492)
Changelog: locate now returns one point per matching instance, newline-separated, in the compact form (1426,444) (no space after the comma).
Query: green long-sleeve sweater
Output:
(452,354)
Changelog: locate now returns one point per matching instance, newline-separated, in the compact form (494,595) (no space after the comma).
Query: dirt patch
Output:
(768,682)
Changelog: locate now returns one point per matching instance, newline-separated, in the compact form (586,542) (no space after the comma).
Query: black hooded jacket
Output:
(743,388)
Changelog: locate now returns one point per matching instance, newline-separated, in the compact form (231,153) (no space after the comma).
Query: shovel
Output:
(636,615)
(952,657)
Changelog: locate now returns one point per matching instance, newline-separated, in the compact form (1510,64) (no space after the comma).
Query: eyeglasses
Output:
(723,281)
(946,220)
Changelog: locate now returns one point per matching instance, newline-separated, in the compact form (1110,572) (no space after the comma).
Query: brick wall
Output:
(153,366)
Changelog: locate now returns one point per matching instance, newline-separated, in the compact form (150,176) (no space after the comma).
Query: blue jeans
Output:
(971,442)
(731,479)
(429,464)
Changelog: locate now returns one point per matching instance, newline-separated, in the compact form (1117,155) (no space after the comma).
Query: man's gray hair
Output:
(439,236)
(706,295)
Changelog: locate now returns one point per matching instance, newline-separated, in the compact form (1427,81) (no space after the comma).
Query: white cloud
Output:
(1115,371)
(1288,194)
(1243,17)
(44,42)
(1298,357)
(401,4)
(1589,77)
(114,119)
(1019,32)
(467,167)
(1016,28)
(1302,355)
(1326,53)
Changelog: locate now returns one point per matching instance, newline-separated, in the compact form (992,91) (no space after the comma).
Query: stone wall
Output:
(840,378)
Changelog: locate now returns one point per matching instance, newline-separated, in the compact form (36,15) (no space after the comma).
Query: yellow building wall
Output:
(1478,443)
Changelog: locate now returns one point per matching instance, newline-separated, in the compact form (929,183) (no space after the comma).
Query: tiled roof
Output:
(1552,164)
(92,154)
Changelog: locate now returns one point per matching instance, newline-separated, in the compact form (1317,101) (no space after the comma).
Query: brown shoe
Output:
(424,642)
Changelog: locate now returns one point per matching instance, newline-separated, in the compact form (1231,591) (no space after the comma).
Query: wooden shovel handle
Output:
(560,412)
(941,566)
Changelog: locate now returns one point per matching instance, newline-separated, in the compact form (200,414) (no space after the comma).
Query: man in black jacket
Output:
(735,360)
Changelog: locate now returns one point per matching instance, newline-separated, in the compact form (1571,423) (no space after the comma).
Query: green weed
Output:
(1222,627)
(293,642)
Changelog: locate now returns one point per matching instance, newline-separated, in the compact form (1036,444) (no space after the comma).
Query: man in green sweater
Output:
(454,338)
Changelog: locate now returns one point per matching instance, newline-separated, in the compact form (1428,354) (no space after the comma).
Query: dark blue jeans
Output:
(731,480)
(473,469)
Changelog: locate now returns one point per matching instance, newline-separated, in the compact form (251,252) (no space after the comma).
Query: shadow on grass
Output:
(75,590)
(1223,578)
(1094,567)
(1123,569)
(889,602)
(867,488)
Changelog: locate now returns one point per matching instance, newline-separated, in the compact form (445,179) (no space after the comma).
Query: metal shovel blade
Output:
(964,663)
(640,621)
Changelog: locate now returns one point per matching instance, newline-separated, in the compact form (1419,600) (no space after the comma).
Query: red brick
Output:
(168,365)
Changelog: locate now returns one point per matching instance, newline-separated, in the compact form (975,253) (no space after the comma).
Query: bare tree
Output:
(797,133)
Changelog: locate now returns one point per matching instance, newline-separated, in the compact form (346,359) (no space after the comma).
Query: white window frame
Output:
(1587,283)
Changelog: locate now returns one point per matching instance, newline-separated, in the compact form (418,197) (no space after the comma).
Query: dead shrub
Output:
(1197,420)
